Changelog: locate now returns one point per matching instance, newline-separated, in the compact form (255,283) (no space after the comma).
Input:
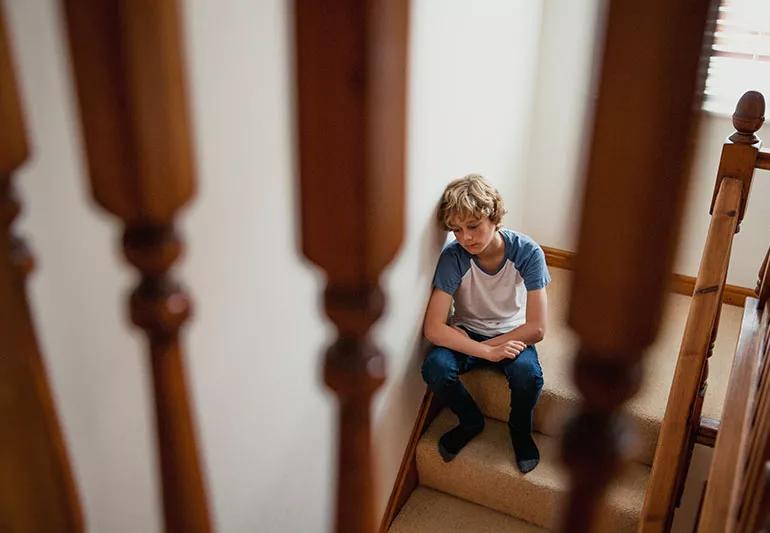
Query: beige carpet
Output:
(484,475)
(432,511)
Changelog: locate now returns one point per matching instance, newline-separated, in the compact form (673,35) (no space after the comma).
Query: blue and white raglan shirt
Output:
(492,303)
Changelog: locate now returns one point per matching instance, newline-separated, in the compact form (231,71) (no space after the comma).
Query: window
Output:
(740,56)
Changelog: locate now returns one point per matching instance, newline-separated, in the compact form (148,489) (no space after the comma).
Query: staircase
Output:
(482,490)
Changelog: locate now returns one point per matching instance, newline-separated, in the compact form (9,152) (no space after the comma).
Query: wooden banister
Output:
(678,430)
(763,280)
(351,88)
(739,154)
(754,482)
(635,187)
(720,503)
(37,489)
(763,161)
(128,70)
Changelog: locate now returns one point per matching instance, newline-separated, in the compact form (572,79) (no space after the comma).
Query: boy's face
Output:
(474,234)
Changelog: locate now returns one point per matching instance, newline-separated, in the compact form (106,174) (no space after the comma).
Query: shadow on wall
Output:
(405,389)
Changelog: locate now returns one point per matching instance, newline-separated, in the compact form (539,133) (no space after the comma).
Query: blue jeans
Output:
(442,368)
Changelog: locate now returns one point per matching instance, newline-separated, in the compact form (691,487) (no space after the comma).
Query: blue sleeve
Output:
(530,262)
(450,270)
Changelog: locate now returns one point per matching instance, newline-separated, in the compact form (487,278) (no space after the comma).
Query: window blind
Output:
(740,55)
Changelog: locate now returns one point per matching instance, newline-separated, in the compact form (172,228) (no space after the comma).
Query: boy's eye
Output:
(473,227)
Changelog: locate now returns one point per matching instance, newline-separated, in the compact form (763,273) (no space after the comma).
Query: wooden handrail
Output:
(675,430)
(720,502)
(678,430)
(753,484)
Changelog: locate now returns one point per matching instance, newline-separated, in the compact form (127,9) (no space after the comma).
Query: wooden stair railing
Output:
(351,88)
(737,493)
(37,489)
(753,512)
(681,420)
(643,126)
(724,490)
(128,70)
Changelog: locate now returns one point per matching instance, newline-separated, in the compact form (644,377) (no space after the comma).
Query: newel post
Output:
(128,68)
(741,149)
(351,92)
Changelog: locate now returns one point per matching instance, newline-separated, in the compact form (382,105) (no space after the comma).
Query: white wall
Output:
(553,187)
(266,424)
(557,132)
(750,244)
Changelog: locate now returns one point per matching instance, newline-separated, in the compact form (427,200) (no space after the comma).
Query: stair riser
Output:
(490,390)
(540,506)
(484,473)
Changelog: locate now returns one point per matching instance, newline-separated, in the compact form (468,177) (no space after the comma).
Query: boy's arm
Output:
(533,330)
(438,332)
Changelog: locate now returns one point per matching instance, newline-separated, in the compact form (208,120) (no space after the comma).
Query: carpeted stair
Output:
(482,490)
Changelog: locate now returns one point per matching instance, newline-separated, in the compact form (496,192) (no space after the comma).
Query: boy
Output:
(496,279)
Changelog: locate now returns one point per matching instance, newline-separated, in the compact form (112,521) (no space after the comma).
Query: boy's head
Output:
(470,197)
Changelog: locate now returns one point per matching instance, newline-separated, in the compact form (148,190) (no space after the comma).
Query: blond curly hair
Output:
(470,196)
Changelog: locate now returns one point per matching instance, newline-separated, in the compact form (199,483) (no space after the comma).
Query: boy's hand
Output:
(506,350)
(497,341)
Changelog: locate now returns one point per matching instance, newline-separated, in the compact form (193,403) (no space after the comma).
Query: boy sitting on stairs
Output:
(496,279)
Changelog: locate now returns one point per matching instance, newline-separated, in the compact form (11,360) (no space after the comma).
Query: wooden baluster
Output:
(636,180)
(37,490)
(763,518)
(351,87)
(758,449)
(128,68)
(697,409)
(763,281)
(722,495)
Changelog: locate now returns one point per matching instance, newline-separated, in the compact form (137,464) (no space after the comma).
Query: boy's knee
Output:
(438,369)
(528,380)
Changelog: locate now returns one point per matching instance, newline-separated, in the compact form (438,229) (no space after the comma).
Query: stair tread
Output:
(648,407)
(490,390)
(650,403)
(484,473)
(431,511)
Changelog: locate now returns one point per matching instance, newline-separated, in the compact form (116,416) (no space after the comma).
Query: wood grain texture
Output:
(676,440)
(753,482)
(675,433)
(763,280)
(720,503)
(635,186)
(129,75)
(37,489)
(681,284)
(763,161)
(351,62)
